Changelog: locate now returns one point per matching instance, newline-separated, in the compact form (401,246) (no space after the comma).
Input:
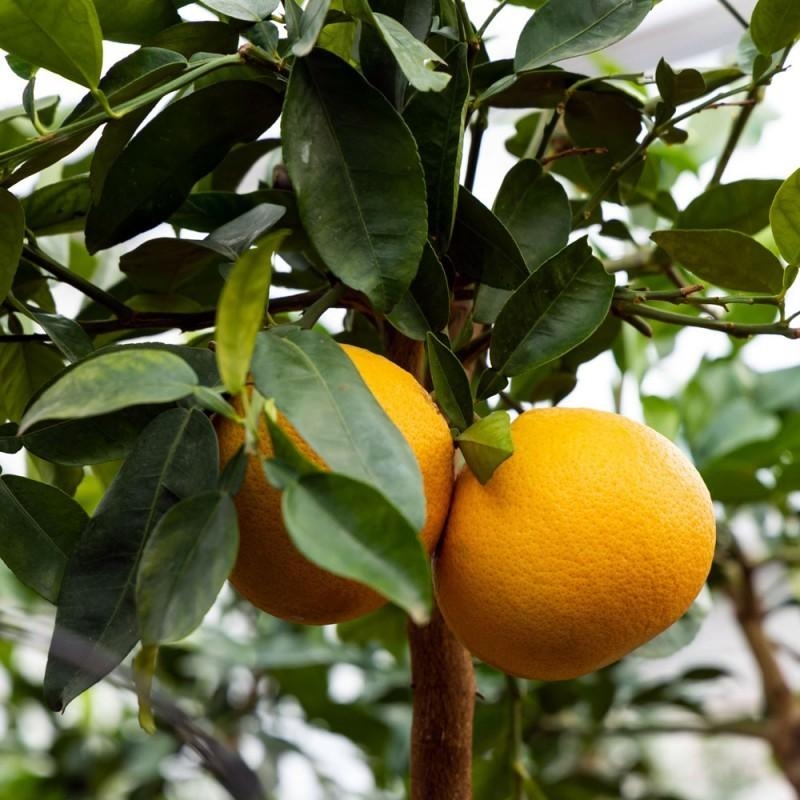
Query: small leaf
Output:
(40,526)
(284,449)
(728,259)
(305,33)
(339,133)
(739,206)
(557,308)
(186,560)
(352,530)
(784,217)
(535,209)
(12,235)
(240,313)
(111,381)
(680,633)
(451,384)
(775,24)
(9,441)
(66,334)
(567,28)
(175,457)
(319,390)
(144,668)
(67,41)
(487,444)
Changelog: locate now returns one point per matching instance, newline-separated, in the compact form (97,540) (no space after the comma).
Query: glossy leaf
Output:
(450,383)
(535,209)
(240,314)
(728,259)
(186,560)
(482,248)
(486,444)
(247,10)
(40,526)
(319,390)
(175,457)
(12,234)
(352,530)
(135,21)
(111,381)
(784,217)
(158,168)
(567,28)
(350,156)
(69,44)
(557,308)
(426,305)
(437,122)
(739,206)
(775,24)
(66,334)
(304,36)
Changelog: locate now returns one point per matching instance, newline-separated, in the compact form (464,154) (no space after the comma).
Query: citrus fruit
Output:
(594,536)
(270,572)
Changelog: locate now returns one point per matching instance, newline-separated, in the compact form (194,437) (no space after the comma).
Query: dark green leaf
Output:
(535,209)
(111,381)
(482,248)
(188,38)
(775,24)
(233,472)
(784,217)
(728,259)
(291,463)
(487,444)
(25,367)
(567,28)
(156,171)
(185,562)
(740,206)
(319,390)
(679,87)
(351,157)
(450,383)
(304,35)
(557,308)
(248,10)
(498,86)
(65,333)
(12,234)
(134,21)
(59,207)
(437,122)
(426,305)
(40,526)
(352,530)
(175,457)
(69,44)
(9,441)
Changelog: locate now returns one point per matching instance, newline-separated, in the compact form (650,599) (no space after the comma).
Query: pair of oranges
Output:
(592,538)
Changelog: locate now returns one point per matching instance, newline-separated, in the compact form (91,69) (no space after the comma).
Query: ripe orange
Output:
(270,572)
(593,537)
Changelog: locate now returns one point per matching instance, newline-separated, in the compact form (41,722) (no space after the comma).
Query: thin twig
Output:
(477,129)
(734,13)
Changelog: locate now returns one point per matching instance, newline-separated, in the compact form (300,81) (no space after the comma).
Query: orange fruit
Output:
(270,572)
(593,537)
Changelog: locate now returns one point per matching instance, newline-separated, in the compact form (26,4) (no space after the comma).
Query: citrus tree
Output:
(173,252)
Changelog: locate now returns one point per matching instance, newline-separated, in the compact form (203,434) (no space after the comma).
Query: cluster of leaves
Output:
(361,195)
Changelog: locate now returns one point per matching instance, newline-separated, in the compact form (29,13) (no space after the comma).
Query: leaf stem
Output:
(687,296)
(734,13)
(328,300)
(547,133)
(492,14)
(477,129)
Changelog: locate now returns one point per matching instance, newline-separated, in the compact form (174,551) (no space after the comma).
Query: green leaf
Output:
(304,36)
(144,668)
(557,308)
(482,248)
(739,206)
(111,381)
(12,235)
(158,168)
(175,457)
(437,122)
(317,387)
(66,41)
(351,158)
(680,633)
(535,209)
(188,38)
(349,528)
(567,28)
(66,334)
(240,313)
(59,207)
(450,383)
(775,24)
(9,441)
(784,217)
(25,367)
(247,10)
(135,21)
(40,526)
(728,259)
(487,444)
(426,305)
(185,562)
